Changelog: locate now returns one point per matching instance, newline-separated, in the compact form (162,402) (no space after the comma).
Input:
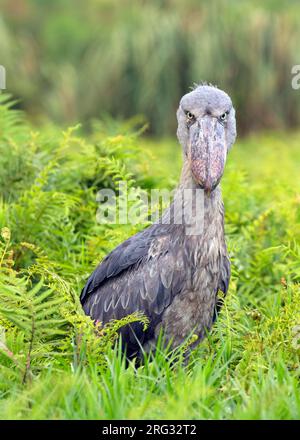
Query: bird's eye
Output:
(190,117)
(223,117)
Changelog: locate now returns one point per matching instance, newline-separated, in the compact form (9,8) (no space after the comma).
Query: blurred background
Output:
(72,60)
(101,63)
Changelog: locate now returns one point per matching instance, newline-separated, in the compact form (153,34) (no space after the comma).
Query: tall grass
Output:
(55,364)
(71,60)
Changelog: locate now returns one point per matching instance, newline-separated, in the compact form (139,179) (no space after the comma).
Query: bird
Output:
(173,271)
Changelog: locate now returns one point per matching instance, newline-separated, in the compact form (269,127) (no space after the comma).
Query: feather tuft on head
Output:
(202,83)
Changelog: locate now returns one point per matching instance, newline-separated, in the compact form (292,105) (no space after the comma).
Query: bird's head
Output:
(206,131)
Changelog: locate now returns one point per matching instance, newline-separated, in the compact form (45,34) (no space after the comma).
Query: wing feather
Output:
(139,275)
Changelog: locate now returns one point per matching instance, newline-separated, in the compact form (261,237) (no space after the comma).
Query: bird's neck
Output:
(210,205)
(204,247)
(186,178)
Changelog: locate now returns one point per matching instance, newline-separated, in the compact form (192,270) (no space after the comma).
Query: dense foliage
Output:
(72,60)
(55,364)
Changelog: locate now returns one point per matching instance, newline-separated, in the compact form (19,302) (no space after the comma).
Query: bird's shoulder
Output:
(149,245)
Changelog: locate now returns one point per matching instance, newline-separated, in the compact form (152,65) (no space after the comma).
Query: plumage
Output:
(165,271)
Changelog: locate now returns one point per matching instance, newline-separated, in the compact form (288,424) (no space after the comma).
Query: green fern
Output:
(44,324)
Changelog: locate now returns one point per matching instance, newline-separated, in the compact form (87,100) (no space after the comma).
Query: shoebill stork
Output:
(170,274)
